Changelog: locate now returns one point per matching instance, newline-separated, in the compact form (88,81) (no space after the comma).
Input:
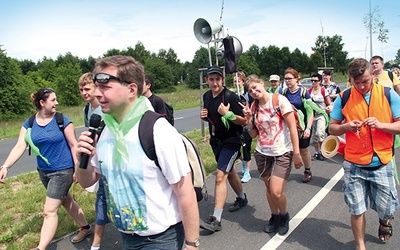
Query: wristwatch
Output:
(196,243)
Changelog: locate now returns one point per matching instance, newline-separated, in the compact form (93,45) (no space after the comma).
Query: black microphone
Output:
(94,124)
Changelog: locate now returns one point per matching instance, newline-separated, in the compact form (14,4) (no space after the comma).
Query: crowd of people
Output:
(153,204)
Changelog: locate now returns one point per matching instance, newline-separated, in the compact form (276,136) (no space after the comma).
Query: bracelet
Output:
(308,128)
(7,168)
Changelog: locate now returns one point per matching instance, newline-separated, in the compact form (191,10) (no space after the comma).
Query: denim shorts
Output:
(170,239)
(279,166)
(101,206)
(377,186)
(57,183)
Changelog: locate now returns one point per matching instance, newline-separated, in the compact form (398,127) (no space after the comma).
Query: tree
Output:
(66,79)
(397,58)
(335,55)
(14,89)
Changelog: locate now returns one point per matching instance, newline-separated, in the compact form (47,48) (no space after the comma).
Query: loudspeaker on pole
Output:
(204,30)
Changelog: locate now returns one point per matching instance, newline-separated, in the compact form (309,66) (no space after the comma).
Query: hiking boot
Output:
(82,234)
(273,224)
(246,176)
(307,176)
(283,226)
(212,224)
(239,203)
(320,157)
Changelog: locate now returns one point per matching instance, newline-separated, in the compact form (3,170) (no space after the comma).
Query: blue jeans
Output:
(170,239)
(101,206)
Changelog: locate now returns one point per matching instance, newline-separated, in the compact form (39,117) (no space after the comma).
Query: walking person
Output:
(329,85)
(55,157)
(277,147)
(295,94)
(87,88)
(322,99)
(275,84)
(238,81)
(225,118)
(382,76)
(152,205)
(369,119)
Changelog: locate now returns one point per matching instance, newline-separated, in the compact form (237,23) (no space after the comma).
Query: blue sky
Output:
(37,28)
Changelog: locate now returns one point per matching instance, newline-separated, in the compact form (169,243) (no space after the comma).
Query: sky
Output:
(33,29)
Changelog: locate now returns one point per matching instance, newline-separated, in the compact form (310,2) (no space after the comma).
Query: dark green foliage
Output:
(66,79)
(14,89)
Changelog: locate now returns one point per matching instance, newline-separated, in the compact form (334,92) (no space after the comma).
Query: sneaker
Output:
(246,176)
(273,224)
(307,176)
(283,226)
(320,157)
(82,234)
(239,203)
(315,156)
(212,224)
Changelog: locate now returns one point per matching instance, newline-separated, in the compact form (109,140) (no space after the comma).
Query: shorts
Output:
(57,183)
(279,166)
(318,129)
(101,206)
(226,159)
(304,143)
(378,186)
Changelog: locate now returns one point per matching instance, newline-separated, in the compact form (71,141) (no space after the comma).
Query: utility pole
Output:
(370,29)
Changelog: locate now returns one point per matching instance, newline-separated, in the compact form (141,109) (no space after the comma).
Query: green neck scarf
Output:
(120,130)
(34,149)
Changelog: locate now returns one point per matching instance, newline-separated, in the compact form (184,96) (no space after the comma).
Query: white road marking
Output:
(277,240)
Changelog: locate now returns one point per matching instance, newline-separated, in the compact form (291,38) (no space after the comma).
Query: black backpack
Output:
(60,123)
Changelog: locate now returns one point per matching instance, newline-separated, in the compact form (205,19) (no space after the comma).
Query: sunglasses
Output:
(104,78)
(314,80)
(48,90)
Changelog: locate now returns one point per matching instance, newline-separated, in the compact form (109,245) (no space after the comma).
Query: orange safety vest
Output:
(360,147)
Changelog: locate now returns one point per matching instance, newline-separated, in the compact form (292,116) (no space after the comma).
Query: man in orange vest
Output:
(368,166)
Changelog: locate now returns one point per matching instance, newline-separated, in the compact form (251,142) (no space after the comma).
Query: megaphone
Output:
(220,53)
(203,30)
(332,145)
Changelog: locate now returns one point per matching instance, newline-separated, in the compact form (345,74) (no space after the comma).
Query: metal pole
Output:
(370,28)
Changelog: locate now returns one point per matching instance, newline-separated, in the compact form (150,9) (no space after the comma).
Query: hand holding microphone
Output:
(94,124)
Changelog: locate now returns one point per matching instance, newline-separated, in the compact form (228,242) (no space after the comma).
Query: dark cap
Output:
(214,70)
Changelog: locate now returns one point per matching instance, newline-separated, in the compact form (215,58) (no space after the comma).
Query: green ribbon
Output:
(230,116)
(35,150)
(120,130)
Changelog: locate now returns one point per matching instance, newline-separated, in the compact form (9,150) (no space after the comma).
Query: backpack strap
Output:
(226,96)
(60,121)
(86,111)
(345,96)
(390,73)
(146,134)
(275,104)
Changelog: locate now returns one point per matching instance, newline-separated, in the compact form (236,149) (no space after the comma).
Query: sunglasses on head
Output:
(104,78)
(48,90)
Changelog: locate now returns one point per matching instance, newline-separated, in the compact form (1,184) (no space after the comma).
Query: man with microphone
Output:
(152,206)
